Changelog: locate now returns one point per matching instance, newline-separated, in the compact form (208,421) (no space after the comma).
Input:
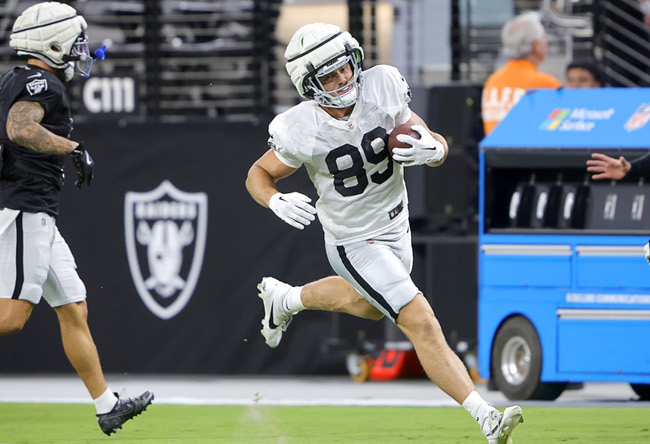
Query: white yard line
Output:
(280,391)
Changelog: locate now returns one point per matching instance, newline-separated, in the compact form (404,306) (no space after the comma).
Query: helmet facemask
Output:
(80,57)
(315,89)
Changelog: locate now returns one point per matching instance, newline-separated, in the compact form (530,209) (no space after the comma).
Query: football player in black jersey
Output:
(35,260)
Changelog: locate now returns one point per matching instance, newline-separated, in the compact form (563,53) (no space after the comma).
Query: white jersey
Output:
(361,192)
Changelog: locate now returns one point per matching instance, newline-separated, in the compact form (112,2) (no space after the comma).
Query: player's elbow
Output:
(253,184)
(250,180)
(11,327)
(12,132)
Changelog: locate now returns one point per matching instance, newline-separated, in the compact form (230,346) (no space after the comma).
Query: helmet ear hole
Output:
(56,47)
(308,91)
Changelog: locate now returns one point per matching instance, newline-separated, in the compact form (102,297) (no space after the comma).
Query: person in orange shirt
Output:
(524,43)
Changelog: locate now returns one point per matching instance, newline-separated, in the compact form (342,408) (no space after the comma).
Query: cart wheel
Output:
(516,363)
(643,390)
(359,367)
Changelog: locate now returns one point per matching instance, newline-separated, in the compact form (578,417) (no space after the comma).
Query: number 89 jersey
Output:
(361,189)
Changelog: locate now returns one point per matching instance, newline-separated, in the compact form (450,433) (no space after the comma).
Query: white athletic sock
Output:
(293,302)
(105,402)
(476,406)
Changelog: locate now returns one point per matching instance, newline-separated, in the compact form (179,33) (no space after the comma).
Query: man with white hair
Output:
(35,261)
(524,43)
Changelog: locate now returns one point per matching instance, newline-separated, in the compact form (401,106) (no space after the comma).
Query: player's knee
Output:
(76,312)
(374,315)
(420,323)
(431,328)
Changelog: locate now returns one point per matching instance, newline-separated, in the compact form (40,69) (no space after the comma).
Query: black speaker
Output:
(445,268)
(446,197)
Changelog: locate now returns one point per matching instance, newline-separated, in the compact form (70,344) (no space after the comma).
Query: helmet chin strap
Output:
(350,97)
(68,72)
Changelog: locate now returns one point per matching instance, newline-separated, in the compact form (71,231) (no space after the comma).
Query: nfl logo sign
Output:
(639,118)
(165,233)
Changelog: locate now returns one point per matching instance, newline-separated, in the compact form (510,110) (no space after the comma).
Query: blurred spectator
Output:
(582,74)
(524,43)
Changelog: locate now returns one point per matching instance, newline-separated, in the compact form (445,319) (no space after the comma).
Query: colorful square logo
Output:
(554,119)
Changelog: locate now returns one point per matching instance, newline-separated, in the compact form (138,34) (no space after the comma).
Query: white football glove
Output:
(424,150)
(293,208)
(646,250)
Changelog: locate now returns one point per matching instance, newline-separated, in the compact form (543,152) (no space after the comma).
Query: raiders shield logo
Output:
(36,86)
(165,232)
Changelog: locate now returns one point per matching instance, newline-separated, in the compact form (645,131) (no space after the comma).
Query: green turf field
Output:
(70,424)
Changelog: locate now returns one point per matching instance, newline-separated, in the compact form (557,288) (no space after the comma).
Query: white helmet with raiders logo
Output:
(316,50)
(55,34)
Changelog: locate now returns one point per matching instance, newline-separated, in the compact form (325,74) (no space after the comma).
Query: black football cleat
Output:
(124,410)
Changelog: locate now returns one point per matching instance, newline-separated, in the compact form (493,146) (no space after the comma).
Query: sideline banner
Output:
(171,248)
(577,118)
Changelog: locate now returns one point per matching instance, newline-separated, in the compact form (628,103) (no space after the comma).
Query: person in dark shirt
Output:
(605,167)
(582,74)
(35,261)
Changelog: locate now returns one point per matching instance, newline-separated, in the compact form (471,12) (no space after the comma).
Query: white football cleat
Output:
(498,427)
(276,317)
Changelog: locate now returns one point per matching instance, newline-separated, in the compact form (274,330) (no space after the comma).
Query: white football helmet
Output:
(318,49)
(54,33)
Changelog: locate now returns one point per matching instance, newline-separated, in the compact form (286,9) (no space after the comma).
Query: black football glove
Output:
(84,165)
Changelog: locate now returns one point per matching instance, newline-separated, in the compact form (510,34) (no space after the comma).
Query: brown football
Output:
(404,128)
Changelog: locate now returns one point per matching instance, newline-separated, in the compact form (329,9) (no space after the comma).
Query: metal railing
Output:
(622,42)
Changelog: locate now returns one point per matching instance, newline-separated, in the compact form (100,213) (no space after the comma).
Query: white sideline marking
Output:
(262,402)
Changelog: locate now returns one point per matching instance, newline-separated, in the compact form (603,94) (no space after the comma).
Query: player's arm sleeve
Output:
(282,145)
(640,167)
(402,95)
(47,95)
(25,122)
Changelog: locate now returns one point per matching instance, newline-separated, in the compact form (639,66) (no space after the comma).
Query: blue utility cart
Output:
(564,288)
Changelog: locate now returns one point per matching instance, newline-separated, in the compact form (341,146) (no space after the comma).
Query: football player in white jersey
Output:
(340,136)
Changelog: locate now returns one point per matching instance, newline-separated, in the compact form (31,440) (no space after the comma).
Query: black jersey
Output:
(32,181)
